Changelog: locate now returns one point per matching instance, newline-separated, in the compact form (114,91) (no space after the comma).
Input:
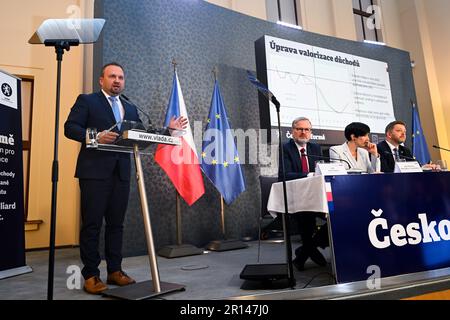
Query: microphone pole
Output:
(287,236)
(150,128)
(402,156)
(437,147)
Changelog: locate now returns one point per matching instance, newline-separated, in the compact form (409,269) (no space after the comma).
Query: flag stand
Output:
(177,108)
(180,249)
(219,121)
(225,244)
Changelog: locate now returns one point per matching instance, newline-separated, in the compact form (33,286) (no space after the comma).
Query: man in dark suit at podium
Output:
(392,149)
(104,176)
(299,160)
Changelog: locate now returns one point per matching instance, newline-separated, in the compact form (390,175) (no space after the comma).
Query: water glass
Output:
(91,138)
(442,164)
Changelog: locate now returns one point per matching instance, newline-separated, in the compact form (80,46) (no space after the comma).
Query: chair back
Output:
(265,183)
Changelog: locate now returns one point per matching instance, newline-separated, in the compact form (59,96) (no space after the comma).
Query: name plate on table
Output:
(407,167)
(330,169)
(131,137)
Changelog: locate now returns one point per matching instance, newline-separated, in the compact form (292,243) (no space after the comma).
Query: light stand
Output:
(61,34)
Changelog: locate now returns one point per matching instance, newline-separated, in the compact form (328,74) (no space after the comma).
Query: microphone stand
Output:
(287,236)
(440,148)
(150,128)
(402,157)
(268,272)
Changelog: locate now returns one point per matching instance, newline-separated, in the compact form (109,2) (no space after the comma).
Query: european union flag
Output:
(220,159)
(419,144)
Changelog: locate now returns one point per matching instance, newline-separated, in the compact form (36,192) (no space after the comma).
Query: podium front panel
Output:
(389,224)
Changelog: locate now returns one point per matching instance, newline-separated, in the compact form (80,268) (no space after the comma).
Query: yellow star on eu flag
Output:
(203,154)
(225,164)
(214,162)
(217,116)
(208,120)
(236,159)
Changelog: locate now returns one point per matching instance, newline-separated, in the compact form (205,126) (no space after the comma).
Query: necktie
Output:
(116,111)
(396,155)
(304,161)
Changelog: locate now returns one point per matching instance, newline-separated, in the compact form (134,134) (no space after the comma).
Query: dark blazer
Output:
(387,159)
(94,111)
(292,160)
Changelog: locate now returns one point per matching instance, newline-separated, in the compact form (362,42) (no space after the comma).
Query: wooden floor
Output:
(439,295)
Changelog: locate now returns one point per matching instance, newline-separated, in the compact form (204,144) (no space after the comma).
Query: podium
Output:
(135,142)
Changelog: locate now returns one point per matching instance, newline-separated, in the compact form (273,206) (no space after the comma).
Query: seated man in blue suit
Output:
(104,177)
(392,149)
(299,160)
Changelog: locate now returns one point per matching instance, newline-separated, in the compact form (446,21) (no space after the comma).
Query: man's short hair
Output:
(391,125)
(110,64)
(358,129)
(300,119)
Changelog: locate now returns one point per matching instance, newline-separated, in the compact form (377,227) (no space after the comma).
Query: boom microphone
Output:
(401,156)
(150,128)
(437,147)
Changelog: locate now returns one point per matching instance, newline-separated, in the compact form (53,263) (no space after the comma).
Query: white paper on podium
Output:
(330,169)
(407,167)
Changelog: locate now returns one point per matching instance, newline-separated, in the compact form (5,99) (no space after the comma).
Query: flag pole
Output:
(222,206)
(174,63)
(215,72)
(419,144)
(225,244)
(180,249)
(222,215)
(179,233)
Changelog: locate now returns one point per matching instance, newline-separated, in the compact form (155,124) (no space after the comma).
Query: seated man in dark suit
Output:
(392,149)
(297,165)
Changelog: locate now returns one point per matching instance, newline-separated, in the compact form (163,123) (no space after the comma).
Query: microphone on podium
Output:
(437,147)
(401,156)
(150,128)
(329,158)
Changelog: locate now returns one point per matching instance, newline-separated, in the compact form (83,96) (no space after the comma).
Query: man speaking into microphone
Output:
(104,177)
(299,160)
